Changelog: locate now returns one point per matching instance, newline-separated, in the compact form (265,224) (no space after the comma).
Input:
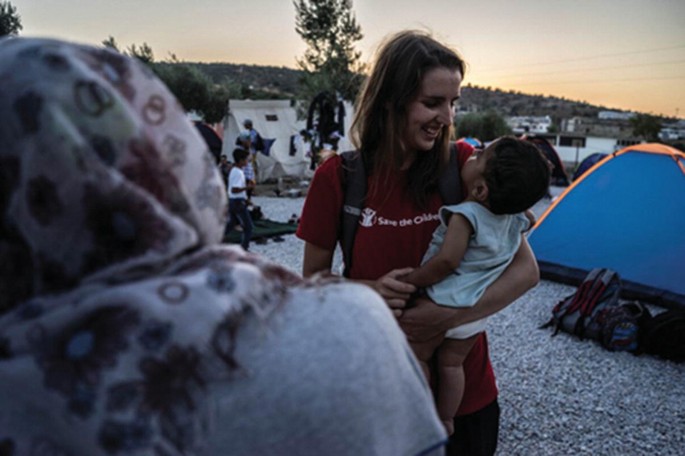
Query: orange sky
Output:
(627,54)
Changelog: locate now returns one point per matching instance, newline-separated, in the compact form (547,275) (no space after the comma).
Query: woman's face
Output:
(432,109)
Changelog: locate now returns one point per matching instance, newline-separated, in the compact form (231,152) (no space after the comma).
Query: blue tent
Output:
(627,213)
(587,163)
(559,176)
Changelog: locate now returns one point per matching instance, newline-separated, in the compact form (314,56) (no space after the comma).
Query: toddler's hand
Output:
(394,290)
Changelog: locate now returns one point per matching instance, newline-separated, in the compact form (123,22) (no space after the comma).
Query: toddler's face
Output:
(473,169)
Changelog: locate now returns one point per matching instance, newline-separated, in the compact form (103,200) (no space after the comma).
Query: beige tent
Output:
(274,120)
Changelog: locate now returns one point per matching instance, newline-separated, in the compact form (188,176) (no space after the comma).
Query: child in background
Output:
(475,242)
(237,197)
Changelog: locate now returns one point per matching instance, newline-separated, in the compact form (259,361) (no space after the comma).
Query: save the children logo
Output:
(370,218)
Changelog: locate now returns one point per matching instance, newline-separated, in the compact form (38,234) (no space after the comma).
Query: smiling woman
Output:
(431,110)
(402,131)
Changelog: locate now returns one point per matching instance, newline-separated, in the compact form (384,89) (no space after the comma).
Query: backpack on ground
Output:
(582,313)
(354,190)
(664,335)
(623,327)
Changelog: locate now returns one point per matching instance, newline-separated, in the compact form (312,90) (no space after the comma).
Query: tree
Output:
(195,91)
(190,85)
(646,126)
(485,127)
(10,21)
(142,53)
(217,102)
(111,43)
(331,63)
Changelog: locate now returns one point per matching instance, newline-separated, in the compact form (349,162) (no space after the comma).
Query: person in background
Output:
(256,140)
(256,145)
(238,185)
(402,131)
(474,243)
(244,141)
(224,168)
(127,328)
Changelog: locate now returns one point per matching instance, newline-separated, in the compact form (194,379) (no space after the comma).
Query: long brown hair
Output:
(381,109)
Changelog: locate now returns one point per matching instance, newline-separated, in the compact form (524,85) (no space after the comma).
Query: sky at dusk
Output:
(626,54)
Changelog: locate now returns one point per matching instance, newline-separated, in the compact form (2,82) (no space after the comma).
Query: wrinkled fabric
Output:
(111,210)
(127,329)
(102,174)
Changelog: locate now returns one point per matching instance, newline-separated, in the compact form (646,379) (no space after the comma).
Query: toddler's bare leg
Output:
(451,355)
(424,353)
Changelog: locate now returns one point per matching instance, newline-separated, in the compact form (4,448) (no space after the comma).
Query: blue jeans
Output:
(239,215)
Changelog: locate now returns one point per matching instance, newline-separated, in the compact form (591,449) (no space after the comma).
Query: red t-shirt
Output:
(393,233)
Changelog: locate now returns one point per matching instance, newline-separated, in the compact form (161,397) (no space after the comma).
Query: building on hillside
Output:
(615,115)
(673,131)
(529,124)
(587,126)
(466,108)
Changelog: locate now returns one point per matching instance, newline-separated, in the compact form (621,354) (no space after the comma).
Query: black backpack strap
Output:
(354,191)
(449,184)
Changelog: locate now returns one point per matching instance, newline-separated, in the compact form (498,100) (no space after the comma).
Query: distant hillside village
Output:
(576,129)
(580,136)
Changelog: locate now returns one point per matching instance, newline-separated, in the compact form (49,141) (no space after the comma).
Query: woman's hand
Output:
(395,291)
(425,320)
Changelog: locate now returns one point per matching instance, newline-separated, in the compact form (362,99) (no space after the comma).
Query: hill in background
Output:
(281,82)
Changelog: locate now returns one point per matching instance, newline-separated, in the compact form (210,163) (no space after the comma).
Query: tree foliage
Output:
(485,127)
(646,126)
(111,43)
(143,53)
(191,87)
(330,63)
(10,21)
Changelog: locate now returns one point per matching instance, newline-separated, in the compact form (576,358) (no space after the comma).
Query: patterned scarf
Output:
(117,304)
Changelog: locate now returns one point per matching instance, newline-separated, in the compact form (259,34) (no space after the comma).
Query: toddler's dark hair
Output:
(517,175)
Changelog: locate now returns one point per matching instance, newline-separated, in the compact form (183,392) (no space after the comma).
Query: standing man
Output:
(256,145)
(238,214)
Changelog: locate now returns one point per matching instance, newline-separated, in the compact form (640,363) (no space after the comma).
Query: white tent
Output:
(277,120)
(274,120)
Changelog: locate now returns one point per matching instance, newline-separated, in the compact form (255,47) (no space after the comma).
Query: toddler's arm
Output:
(427,319)
(448,258)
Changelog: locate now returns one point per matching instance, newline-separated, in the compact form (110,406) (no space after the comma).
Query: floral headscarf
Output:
(117,305)
(102,174)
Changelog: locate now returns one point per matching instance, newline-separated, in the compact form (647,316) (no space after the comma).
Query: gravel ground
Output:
(559,396)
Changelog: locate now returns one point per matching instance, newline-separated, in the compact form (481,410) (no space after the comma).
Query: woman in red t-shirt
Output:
(402,130)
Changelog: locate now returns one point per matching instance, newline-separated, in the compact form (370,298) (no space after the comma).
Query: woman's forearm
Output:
(519,277)
(316,260)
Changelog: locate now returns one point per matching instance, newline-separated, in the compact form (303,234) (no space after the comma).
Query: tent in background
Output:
(277,123)
(628,214)
(475,142)
(587,163)
(559,176)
